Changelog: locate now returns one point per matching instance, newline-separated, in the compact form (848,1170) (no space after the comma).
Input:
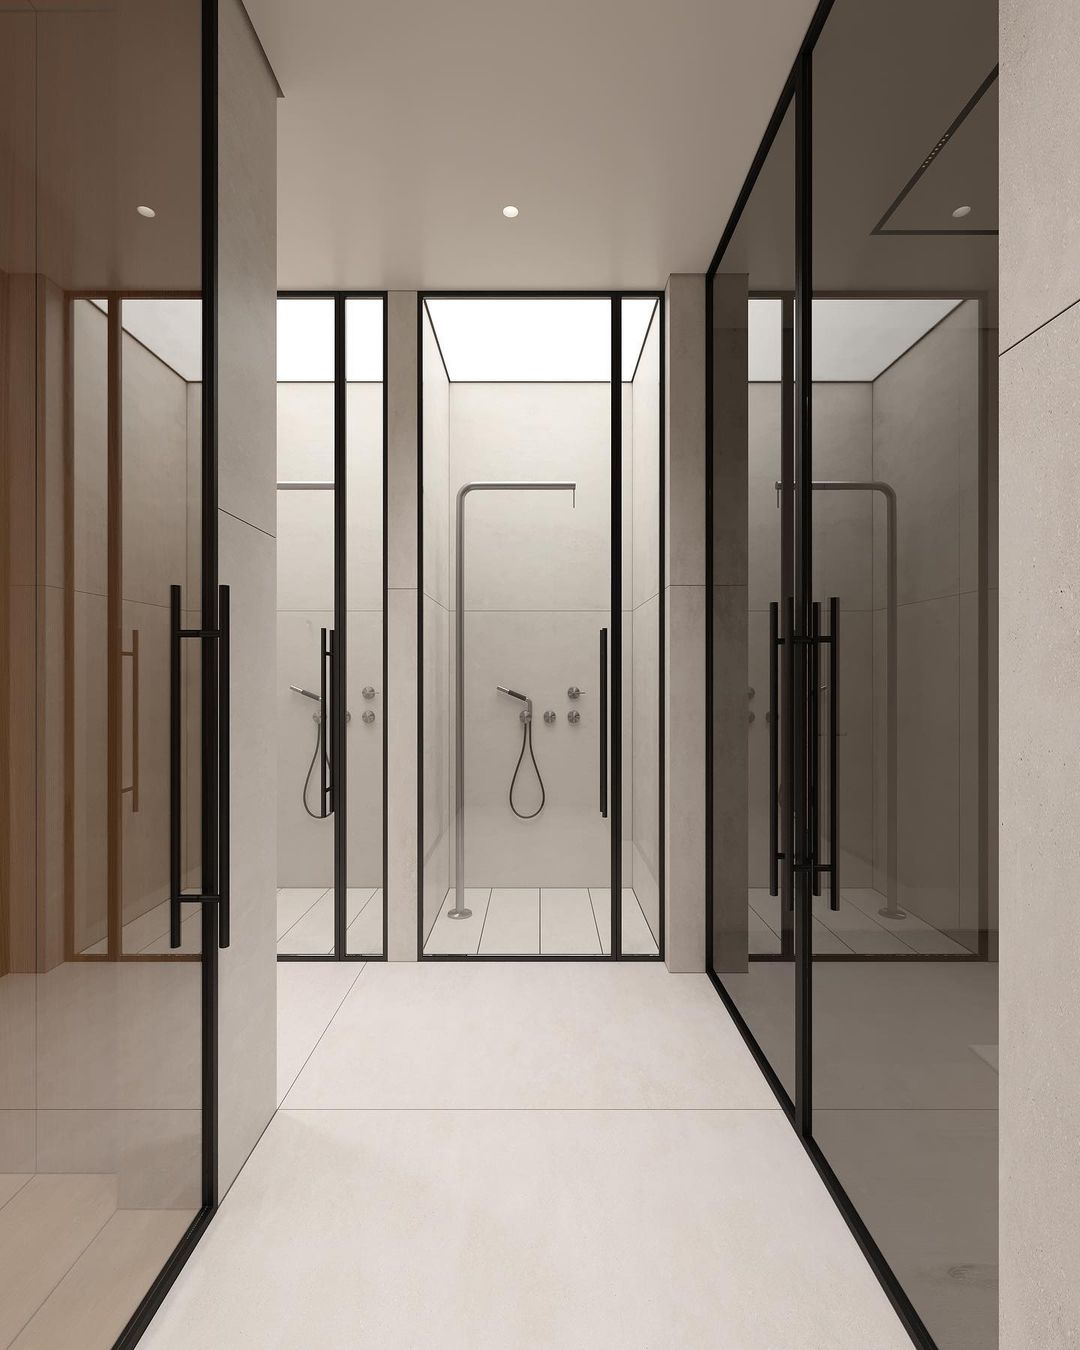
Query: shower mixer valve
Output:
(549,716)
(573,717)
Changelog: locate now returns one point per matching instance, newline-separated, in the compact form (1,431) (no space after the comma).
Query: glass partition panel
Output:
(752,307)
(101,1063)
(305,619)
(365,590)
(904,978)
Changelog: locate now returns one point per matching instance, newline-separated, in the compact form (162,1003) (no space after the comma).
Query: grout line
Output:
(352,985)
(593,1110)
(251,526)
(82,1252)
(305,913)
(483,924)
(29,1177)
(1038,329)
(592,910)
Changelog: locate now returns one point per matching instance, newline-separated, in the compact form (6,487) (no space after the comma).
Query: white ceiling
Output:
(621,129)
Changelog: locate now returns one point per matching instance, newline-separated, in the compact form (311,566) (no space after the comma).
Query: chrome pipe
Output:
(524,485)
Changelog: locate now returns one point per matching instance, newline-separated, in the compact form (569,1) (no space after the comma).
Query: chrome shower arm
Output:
(459,910)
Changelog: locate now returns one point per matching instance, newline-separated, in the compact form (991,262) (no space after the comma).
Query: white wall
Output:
(537,594)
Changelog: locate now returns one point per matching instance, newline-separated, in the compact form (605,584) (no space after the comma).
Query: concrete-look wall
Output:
(305,604)
(642,636)
(439,613)
(684,639)
(1040,655)
(246,527)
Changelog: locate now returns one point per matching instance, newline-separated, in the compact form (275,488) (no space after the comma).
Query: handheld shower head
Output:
(502,689)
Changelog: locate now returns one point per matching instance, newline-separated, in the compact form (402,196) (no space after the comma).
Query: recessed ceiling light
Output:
(510,212)
(147,211)
(961,212)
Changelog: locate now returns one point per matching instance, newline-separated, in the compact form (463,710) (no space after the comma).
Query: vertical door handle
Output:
(133,652)
(224,770)
(787,842)
(774,743)
(834,752)
(177,896)
(327,686)
(324,777)
(815,744)
(603,722)
(175,782)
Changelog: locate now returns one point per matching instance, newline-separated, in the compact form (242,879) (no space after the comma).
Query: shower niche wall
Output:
(330,621)
(541,507)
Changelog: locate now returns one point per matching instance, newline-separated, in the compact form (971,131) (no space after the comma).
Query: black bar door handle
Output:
(603,722)
(224,770)
(774,743)
(834,752)
(815,744)
(177,895)
(175,784)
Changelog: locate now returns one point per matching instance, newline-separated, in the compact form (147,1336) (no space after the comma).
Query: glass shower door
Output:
(521,473)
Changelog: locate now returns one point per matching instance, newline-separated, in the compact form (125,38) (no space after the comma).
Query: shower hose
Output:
(319,745)
(526,744)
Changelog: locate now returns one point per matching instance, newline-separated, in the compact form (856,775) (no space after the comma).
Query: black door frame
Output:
(214,865)
(339,665)
(615,650)
(799,868)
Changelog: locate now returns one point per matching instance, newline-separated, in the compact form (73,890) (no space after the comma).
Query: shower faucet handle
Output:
(574,692)
(368,691)
(368,717)
(549,716)
(573,717)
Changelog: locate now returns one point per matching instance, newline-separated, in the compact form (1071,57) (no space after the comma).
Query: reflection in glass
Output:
(905,976)
(101,1166)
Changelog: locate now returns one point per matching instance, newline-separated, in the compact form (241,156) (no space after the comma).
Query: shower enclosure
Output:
(331,731)
(541,727)
(851,316)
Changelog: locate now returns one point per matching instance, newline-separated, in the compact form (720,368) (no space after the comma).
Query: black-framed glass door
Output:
(852,308)
(541,659)
(114,869)
(331,895)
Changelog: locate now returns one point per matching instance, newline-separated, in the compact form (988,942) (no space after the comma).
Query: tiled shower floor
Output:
(856,928)
(539,921)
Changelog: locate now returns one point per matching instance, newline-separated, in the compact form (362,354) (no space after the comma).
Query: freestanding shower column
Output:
(459,911)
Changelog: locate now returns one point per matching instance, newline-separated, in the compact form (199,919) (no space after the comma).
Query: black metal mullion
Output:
(804,562)
(338,666)
(615,696)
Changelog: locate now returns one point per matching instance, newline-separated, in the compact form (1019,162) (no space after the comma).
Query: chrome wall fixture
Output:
(459,910)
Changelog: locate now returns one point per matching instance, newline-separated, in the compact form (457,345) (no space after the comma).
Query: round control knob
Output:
(368,717)
(573,717)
